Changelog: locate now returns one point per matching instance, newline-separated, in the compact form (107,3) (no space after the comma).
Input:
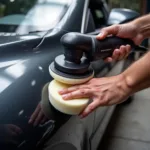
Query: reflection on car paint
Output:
(9,133)
(11,74)
(16,71)
(4,82)
(41,69)
(33,82)
(21,112)
(8,63)
(22,143)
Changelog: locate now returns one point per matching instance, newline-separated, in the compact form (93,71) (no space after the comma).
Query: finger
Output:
(39,118)
(73,88)
(15,128)
(90,108)
(81,93)
(116,55)
(122,52)
(108,31)
(108,59)
(128,50)
(34,115)
(102,35)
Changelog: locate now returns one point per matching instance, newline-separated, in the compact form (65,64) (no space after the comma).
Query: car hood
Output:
(11,37)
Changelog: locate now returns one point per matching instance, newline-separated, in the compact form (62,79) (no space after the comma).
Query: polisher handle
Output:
(104,48)
(76,44)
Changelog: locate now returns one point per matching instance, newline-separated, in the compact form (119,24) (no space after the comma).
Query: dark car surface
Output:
(30,32)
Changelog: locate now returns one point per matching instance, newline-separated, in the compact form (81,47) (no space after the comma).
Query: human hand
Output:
(37,117)
(9,133)
(128,30)
(103,91)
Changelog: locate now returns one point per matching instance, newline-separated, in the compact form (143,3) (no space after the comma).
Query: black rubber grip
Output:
(104,48)
(76,44)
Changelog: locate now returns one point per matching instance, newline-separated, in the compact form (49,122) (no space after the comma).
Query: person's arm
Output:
(137,76)
(143,25)
(136,30)
(112,90)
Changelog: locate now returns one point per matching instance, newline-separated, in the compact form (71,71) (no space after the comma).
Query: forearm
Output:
(137,76)
(143,25)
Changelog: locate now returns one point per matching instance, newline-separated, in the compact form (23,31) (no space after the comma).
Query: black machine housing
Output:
(81,49)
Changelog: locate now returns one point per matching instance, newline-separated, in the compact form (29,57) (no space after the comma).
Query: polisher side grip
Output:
(76,44)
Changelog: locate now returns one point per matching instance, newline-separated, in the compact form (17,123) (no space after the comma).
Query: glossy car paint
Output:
(24,62)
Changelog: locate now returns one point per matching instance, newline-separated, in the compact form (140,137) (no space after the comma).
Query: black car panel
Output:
(24,62)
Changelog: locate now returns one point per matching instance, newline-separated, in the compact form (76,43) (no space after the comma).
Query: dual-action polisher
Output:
(73,67)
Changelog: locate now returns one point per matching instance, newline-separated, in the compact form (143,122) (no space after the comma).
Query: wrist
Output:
(143,27)
(126,84)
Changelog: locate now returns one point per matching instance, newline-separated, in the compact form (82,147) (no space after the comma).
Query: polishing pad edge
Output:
(69,80)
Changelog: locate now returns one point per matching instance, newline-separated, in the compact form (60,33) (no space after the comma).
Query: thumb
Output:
(138,39)
(108,31)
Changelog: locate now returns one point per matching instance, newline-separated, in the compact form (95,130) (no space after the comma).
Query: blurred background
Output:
(132,4)
(138,5)
(141,6)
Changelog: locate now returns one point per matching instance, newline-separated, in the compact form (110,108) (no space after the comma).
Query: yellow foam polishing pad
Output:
(70,107)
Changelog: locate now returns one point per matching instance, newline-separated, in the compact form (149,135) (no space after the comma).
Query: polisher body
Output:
(74,67)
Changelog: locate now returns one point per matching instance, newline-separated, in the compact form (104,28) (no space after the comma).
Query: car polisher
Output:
(74,67)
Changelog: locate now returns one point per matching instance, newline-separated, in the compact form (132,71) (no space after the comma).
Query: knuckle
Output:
(117,52)
(82,91)
(107,101)
(128,46)
(116,28)
(103,103)
(103,29)
(69,94)
(122,47)
(96,89)
(88,86)
(91,108)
